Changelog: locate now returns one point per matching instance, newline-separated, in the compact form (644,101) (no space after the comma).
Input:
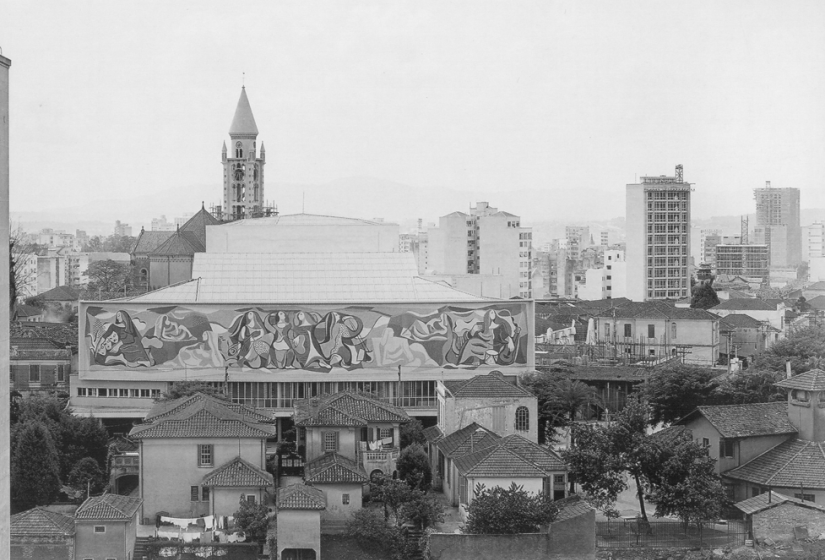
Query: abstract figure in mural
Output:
(120,344)
(326,340)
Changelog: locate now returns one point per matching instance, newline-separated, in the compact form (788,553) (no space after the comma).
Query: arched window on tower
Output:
(255,198)
(238,150)
(522,419)
(238,172)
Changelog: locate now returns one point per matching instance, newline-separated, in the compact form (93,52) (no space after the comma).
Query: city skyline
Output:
(526,107)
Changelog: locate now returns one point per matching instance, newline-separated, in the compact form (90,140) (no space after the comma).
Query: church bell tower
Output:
(243,166)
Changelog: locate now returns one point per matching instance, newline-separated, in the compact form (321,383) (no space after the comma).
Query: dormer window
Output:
(800,396)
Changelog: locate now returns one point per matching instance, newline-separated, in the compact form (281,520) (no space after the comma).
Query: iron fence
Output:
(630,533)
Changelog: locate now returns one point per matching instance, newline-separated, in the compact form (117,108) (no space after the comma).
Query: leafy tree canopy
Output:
(500,511)
(703,296)
(673,391)
(251,518)
(801,346)
(86,476)
(414,467)
(560,399)
(412,432)
(35,468)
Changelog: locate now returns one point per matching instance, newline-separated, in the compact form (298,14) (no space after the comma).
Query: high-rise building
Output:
(123,230)
(243,168)
(750,261)
(485,241)
(658,238)
(605,239)
(778,225)
(578,238)
(711,240)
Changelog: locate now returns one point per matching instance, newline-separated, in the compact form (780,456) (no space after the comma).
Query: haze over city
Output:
(413,110)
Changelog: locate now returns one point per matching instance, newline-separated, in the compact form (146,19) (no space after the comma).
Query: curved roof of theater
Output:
(258,278)
(305,220)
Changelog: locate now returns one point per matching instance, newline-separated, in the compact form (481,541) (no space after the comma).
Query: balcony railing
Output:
(288,403)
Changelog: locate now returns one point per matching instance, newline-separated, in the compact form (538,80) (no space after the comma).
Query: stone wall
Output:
(571,539)
(778,522)
(41,548)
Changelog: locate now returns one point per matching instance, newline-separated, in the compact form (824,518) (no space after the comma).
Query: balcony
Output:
(377,459)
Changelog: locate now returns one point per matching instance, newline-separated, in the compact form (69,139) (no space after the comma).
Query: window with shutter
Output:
(34,373)
(330,442)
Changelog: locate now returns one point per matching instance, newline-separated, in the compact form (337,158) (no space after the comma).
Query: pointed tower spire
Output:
(243,124)
(224,146)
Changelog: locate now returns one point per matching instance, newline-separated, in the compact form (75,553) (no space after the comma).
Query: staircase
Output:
(140,551)
(413,538)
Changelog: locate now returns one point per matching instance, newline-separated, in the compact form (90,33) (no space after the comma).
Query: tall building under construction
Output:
(778,224)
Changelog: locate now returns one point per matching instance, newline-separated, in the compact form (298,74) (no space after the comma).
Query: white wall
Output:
(635,233)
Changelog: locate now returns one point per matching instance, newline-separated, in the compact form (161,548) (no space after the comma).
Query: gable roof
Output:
(811,380)
(346,409)
(202,416)
(108,506)
(747,304)
(331,468)
(511,456)
(468,439)
(148,241)
(817,303)
(816,286)
(491,385)
(300,496)
(432,434)
(771,499)
(177,244)
(741,320)
(791,464)
(243,123)
(653,310)
(195,227)
(745,420)
(238,472)
(40,521)
(60,293)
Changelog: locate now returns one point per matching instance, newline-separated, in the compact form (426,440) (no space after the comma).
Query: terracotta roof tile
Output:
(332,467)
(40,521)
(512,456)
(468,439)
(811,380)
(433,434)
(148,241)
(746,420)
(771,499)
(109,506)
(748,304)
(301,496)
(238,472)
(491,385)
(791,464)
(178,406)
(60,293)
(346,409)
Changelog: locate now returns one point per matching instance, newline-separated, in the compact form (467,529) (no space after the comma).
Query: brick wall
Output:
(778,522)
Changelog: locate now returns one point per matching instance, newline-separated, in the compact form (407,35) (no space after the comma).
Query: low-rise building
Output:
(41,533)
(190,457)
(772,311)
(299,521)
(39,365)
(491,401)
(106,527)
(775,516)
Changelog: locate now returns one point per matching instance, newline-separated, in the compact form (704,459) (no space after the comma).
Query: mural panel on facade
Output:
(305,337)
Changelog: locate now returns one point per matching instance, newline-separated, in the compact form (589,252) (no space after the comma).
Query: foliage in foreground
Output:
(369,528)
(180,389)
(560,400)
(35,469)
(414,468)
(500,511)
(412,432)
(671,470)
(407,503)
(252,520)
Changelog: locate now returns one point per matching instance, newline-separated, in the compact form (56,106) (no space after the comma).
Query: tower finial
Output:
(243,79)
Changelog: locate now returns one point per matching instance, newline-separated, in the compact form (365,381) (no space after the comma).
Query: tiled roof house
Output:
(199,454)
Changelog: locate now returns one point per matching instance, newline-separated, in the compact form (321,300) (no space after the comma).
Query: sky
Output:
(547,109)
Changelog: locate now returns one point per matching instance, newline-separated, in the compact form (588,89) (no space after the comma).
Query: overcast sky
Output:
(569,99)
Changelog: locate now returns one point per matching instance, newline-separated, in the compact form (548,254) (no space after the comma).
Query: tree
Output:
(560,400)
(422,510)
(413,466)
(750,387)
(393,493)
(110,244)
(703,296)
(369,529)
(85,478)
(180,389)
(602,455)
(500,511)
(35,469)
(412,432)
(799,348)
(683,481)
(675,390)
(251,518)
(108,276)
